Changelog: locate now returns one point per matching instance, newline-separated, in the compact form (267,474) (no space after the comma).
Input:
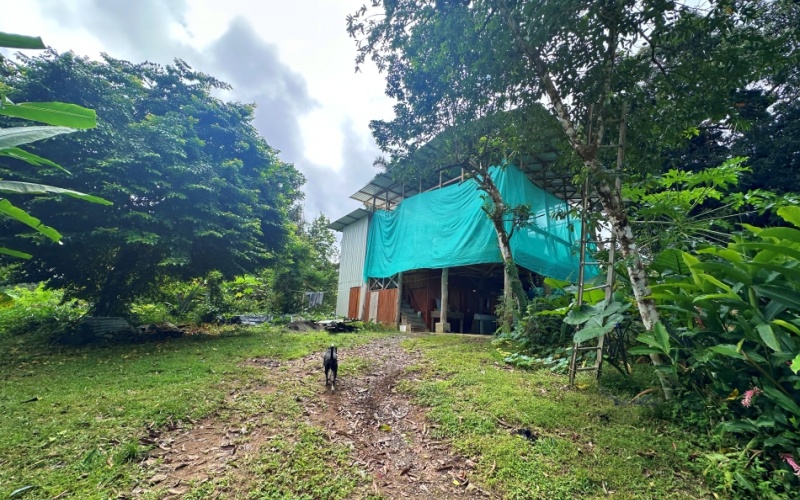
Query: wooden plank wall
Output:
(387,306)
(352,306)
(365,312)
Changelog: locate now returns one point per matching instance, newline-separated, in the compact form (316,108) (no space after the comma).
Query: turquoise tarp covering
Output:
(447,228)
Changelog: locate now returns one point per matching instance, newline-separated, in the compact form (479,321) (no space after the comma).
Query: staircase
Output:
(408,316)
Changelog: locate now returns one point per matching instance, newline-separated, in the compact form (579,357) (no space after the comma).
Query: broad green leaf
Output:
(796,364)
(724,271)
(725,297)
(31,188)
(581,315)
(782,400)
(752,229)
(35,160)
(561,311)
(785,324)
(17,136)
(681,285)
(729,350)
(768,336)
(591,332)
(671,259)
(649,339)
(715,281)
(661,335)
(782,233)
(12,41)
(784,295)
(790,214)
(782,250)
(594,296)
(15,253)
(557,284)
(782,269)
(644,351)
(53,113)
(725,253)
(24,217)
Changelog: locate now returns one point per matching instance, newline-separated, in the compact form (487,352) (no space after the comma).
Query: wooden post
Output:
(399,318)
(445,297)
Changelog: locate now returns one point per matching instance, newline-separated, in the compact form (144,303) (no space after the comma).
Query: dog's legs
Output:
(326,376)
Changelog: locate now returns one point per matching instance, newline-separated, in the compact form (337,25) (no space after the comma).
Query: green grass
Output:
(80,434)
(90,405)
(587,446)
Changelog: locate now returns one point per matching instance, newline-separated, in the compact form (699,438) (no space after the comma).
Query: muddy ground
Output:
(389,436)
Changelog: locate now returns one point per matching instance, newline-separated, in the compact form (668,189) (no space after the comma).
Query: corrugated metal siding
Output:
(351,263)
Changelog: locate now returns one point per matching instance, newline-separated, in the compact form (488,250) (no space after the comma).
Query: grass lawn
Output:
(72,419)
(584,444)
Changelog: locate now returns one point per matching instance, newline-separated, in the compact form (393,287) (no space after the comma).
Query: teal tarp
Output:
(447,228)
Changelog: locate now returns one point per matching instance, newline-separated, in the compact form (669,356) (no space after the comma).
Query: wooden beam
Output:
(445,298)
(399,296)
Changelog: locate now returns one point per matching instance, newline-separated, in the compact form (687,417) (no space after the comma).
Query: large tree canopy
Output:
(194,186)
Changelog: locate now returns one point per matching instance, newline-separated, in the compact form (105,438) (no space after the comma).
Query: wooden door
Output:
(387,306)
(352,306)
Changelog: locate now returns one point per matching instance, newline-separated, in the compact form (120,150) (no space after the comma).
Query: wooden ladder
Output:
(597,345)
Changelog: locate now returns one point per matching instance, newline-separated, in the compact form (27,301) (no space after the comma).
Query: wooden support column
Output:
(445,297)
(399,297)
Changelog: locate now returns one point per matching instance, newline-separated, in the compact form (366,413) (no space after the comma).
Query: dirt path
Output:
(388,435)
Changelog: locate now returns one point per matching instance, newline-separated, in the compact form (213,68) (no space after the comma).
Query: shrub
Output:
(36,309)
(731,331)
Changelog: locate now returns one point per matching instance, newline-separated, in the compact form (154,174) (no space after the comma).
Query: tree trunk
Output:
(445,299)
(108,300)
(513,296)
(618,218)
(609,197)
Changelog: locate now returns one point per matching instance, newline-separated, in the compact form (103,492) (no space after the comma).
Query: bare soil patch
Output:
(388,435)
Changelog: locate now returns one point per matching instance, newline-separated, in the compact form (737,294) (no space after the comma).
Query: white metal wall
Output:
(351,264)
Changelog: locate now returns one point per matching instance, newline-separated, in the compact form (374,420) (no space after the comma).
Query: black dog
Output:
(330,362)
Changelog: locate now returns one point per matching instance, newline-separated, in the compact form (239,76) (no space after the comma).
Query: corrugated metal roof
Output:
(383,193)
(348,219)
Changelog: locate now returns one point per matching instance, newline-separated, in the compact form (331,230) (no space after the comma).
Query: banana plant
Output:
(60,118)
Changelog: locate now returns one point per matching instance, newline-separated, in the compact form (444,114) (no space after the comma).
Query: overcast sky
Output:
(292,58)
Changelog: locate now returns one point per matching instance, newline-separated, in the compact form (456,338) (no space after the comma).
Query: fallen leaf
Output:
(385,427)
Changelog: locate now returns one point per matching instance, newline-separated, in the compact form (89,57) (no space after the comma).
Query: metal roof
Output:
(383,193)
(348,219)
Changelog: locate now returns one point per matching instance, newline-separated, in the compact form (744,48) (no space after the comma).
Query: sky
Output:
(294,59)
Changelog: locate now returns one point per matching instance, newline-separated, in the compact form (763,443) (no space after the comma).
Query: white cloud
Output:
(294,59)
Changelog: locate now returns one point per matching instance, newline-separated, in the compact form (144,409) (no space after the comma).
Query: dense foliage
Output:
(194,187)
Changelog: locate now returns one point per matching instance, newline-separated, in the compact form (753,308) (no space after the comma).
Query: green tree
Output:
(307,264)
(195,188)
(672,65)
